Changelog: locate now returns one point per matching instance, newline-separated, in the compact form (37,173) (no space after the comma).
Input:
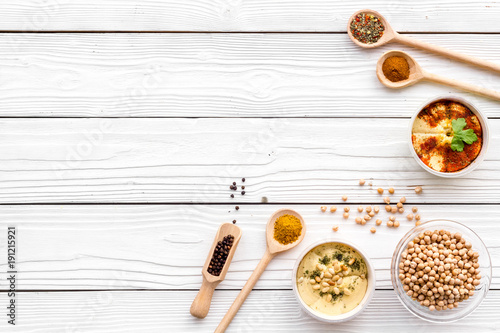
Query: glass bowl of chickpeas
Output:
(441,271)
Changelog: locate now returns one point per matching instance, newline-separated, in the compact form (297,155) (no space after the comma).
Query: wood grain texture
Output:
(195,161)
(110,247)
(221,75)
(264,311)
(242,15)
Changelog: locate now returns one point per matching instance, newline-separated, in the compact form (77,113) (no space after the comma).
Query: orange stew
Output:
(432,134)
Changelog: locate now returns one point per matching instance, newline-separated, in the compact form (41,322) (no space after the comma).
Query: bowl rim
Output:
(484,126)
(395,279)
(370,290)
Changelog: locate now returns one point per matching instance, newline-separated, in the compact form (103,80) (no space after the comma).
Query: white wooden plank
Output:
(195,160)
(263,311)
(220,75)
(242,15)
(110,247)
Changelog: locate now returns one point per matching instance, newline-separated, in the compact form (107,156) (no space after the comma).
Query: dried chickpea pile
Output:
(372,211)
(439,269)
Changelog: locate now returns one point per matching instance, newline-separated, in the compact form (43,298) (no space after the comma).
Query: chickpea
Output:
(361,182)
(347,209)
(390,224)
(414,209)
(372,214)
(391,190)
(358,220)
(409,217)
(387,208)
(344,197)
(396,224)
(402,200)
(417,217)
(394,210)
(376,209)
(363,221)
(401,210)
(380,190)
(387,200)
(378,222)
(333,209)
(360,209)
(418,189)
(367,217)
(335,228)
(399,205)
(346,215)
(323,209)
(368,209)
(373,230)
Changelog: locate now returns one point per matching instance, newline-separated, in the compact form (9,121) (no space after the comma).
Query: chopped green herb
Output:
(325,260)
(315,273)
(338,256)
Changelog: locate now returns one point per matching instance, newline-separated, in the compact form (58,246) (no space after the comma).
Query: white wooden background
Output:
(122,123)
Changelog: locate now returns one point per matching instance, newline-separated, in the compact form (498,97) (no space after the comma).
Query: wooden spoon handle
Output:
(462,85)
(447,53)
(247,288)
(203,299)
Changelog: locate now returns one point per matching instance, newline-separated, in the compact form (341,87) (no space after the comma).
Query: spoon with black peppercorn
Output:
(201,303)
(417,74)
(273,248)
(389,35)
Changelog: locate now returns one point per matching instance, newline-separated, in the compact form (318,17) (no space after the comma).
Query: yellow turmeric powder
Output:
(287,229)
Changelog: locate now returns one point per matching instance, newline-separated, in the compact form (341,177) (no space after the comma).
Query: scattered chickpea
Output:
(372,214)
(391,190)
(390,224)
(402,200)
(392,218)
(396,224)
(388,208)
(399,205)
(417,223)
(360,209)
(344,197)
(373,230)
(370,183)
(323,209)
(335,228)
(333,209)
(368,209)
(409,217)
(358,220)
(346,215)
(394,210)
(367,217)
(387,200)
(414,209)
(401,210)
(378,222)
(363,221)
(417,217)
(347,209)
(376,209)
(361,182)
(380,190)
(418,189)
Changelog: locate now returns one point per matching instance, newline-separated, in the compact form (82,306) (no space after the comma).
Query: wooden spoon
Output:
(201,303)
(392,36)
(273,248)
(418,74)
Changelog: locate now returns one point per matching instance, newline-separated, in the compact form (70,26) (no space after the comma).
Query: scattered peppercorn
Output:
(234,221)
(243,180)
(243,187)
(232,195)
(242,192)
(234,183)
(220,255)
(237,207)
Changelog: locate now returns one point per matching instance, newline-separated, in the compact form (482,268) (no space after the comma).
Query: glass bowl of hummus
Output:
(463,306)
(333,280)
(437,147)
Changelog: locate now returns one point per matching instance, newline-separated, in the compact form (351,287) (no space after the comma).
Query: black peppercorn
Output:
(243,180)
(232,195)
(243,187)
(242,192)
(237,207)
(234,183)
(234,221)
(220,255)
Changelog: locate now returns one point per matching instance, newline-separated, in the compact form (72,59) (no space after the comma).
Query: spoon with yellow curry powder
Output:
(397,69)
(285,230)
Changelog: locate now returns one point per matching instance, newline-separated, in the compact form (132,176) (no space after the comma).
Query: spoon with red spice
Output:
(417,74)
(361,24)
(273,248)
